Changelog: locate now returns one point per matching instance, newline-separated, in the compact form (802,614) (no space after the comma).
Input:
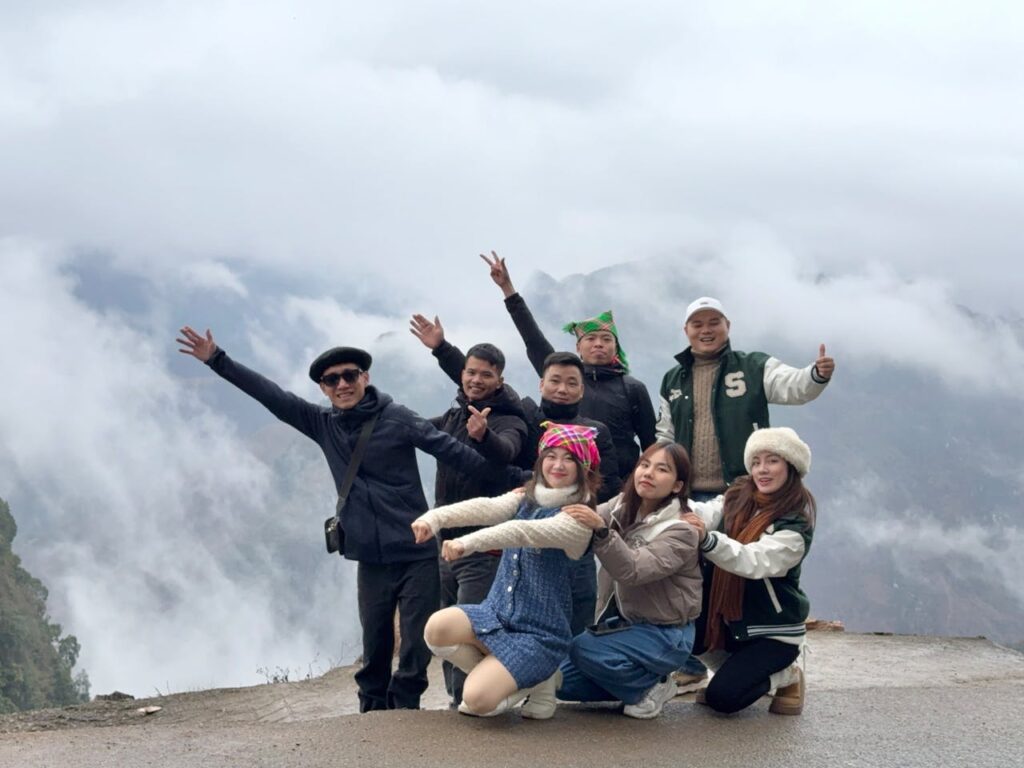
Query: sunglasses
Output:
(349,376)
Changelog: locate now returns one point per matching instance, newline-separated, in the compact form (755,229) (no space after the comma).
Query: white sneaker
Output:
(650,705)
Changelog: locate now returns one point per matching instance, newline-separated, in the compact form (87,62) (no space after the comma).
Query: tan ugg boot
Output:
(788,699)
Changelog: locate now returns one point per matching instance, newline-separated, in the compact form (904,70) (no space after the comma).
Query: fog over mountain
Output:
(176,523)
(300,176)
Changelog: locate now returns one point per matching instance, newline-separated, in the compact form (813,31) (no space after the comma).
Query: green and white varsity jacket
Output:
(746,383)
(774,606)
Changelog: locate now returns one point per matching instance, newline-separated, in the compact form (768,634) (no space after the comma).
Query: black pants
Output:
(743,678)
(467,581)
(413,588)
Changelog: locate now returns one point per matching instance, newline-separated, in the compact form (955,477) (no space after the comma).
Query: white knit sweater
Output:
(557,532)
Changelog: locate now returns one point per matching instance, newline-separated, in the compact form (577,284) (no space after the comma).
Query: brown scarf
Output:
(725,602)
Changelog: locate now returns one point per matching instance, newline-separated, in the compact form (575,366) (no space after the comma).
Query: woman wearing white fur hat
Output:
(752,628)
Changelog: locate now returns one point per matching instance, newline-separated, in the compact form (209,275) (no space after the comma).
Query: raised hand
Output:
(499,273)
(824,366)
(476,425)
(421,531)
(430,333)
(452,549)
(585,516)
(200,348)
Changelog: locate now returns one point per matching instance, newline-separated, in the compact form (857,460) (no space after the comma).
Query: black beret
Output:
(339,355)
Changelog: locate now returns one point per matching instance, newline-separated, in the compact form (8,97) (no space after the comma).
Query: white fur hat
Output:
(781,441)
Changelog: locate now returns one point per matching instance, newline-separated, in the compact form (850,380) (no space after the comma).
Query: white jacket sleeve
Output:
(481,511)
(663,430)
(786,385)
(710,511)
(556,532)
(774,554)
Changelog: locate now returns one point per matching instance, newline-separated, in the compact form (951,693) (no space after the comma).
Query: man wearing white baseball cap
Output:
(716,397)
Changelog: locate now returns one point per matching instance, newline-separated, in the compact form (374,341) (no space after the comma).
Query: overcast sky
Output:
(357,159)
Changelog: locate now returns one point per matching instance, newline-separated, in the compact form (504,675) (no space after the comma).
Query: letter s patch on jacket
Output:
(735,386)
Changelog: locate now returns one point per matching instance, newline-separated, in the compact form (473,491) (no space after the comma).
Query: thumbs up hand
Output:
(824,366)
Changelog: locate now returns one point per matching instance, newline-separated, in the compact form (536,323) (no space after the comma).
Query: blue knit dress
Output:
(524,620)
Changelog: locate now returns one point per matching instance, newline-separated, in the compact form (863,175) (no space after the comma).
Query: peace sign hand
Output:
(824,366)
(499,274)
(200,348)
(476,425)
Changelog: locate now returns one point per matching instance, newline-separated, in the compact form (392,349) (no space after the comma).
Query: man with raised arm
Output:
(561,390)
(386,496)
(715,397)
(488,416)
(611,396)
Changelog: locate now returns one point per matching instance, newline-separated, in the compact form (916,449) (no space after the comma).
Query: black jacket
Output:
(452,361)
(503,443)
(610,395)
(387,494)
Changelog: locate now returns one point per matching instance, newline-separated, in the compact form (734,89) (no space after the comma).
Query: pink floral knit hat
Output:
(577,440)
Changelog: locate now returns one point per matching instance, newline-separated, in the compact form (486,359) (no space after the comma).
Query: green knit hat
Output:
(603,322)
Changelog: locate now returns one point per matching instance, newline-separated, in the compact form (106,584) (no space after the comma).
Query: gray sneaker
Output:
(650,705)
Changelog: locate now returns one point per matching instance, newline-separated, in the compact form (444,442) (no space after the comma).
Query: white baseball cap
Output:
(704,302)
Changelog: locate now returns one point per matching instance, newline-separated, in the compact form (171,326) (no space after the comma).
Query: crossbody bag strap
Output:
(354,462)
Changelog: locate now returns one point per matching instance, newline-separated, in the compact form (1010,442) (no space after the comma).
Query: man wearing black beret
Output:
(387,495)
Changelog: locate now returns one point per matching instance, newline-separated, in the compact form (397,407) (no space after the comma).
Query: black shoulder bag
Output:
(334,532)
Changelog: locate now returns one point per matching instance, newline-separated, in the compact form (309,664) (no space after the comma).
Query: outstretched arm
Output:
(556,532)
(537,345)
(786,385)
(481,511)
(431,335)
(288,407)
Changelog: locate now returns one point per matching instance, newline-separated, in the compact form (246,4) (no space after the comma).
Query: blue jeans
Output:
(624,665)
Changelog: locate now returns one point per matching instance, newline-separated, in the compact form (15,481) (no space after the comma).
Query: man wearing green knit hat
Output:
(610,394)
(598,334)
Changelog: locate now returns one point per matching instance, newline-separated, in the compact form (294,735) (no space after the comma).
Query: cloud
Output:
(987,547)
(157,530)
(212,275)
(337,141)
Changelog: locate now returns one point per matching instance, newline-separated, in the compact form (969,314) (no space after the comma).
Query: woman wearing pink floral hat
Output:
(510,645)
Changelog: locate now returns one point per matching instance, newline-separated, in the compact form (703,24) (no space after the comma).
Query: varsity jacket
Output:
(774,606)
(746,383)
